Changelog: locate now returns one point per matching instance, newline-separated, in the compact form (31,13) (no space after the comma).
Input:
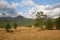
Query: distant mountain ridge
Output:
(20,20)
(19,16)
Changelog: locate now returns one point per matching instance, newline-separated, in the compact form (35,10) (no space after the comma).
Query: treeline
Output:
(49,23)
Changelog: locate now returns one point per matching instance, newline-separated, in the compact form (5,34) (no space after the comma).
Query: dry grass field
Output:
(26,33)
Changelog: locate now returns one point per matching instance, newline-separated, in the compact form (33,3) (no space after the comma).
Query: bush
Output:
(58,23)
(7,27)
(49,24)
(37,23)
(15,26)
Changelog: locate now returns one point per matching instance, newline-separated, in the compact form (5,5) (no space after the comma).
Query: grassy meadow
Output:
(29,33)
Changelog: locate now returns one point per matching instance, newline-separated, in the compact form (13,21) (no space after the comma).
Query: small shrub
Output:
(15,26)
(8,27)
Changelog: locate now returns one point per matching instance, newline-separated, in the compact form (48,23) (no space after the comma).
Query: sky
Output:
(28,8)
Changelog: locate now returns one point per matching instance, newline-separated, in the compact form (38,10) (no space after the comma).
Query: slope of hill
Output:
(20,20)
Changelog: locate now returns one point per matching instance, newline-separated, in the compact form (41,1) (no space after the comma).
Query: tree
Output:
(40,18)
(58,23)
(49,24)
(38,22)
(8,27)
(15,26)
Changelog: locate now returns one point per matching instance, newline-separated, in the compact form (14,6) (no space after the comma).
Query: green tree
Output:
(15,26)
(38,22)
(40,18)
(58,23)
(7,27)
(49,24)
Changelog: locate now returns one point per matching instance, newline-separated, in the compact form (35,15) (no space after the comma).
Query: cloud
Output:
(32,8)
(53,10)
(14,5)
(7,10)
(57,5)
(27,15)
(51,7)
(27,2)
(3,3)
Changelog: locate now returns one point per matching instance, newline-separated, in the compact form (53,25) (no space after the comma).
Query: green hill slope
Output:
(21,21)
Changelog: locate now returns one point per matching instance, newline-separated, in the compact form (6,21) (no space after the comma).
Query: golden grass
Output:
(26,33)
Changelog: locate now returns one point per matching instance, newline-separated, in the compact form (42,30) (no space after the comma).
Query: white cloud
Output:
(3,3)
(1,15)
(7,10)
(14,5)
(27,15)
(51,10)
(26,2)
